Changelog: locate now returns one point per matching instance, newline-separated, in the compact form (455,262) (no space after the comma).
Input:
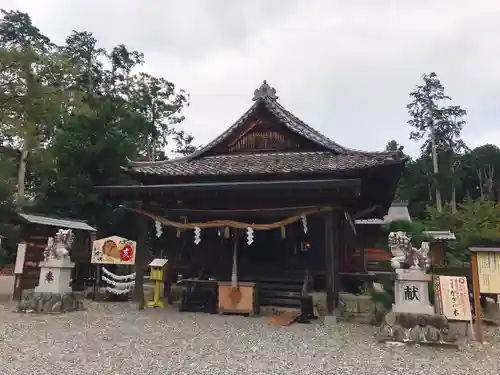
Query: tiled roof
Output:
(440,234)
(57,222)
(332,157)
(261,163)
(397,211)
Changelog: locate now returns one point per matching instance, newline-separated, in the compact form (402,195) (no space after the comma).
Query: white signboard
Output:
(488,268)
(452,297)
(113,250)
(21,255)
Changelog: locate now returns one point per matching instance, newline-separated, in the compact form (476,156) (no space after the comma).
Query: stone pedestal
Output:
(55,276)
(412,319)
(411,293)
(53,293)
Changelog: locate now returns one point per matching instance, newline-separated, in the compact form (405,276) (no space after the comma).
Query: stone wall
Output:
(356,308)
(50,303)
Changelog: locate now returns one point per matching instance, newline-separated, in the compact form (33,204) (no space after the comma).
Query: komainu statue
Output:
(58,246)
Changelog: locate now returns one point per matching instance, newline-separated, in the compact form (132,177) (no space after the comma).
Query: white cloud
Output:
(344,67)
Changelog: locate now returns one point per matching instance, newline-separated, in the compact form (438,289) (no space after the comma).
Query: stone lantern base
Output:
(50,303)
(412,319)
(53,293)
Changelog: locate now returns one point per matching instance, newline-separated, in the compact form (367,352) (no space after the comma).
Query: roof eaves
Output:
(317,137)
(134,163)
(299,126)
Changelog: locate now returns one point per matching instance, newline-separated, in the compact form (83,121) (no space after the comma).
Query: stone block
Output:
(48,303)
(329,320)
(416,328)
(351,307)
(319,302)
(366,305)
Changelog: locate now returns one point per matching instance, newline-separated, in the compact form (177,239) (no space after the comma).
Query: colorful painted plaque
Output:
(114,250)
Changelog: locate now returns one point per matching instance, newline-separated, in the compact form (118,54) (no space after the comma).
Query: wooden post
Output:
(19,271)
(331,262)
(140,260)
(18,287)
(477,297)
(95,289)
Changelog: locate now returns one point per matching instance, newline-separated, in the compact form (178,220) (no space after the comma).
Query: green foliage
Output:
(475,222)
(440,126)
(80,111)
(385,297)
(425,107)
(479,172)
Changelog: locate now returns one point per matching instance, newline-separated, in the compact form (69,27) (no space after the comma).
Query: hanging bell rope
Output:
(231,223)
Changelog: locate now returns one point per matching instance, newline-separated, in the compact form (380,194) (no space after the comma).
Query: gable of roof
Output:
(285,117)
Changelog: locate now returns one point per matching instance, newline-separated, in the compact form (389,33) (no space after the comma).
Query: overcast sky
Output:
(345,67)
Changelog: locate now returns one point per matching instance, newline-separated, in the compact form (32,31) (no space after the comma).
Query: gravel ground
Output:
(115,338)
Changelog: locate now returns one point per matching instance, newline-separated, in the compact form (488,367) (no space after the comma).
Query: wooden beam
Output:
(181,190)
(232,213)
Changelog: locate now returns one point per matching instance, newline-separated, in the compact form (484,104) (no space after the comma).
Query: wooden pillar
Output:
(90,271)
(174,260)
(141,260)
(477,297)
(331,261)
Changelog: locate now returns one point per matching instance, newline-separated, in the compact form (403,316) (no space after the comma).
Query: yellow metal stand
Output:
(156,302)
(158,276)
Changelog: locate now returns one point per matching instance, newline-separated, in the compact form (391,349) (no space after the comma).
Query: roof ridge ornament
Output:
(264,91)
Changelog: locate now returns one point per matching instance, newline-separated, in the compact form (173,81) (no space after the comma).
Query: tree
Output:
(475,223)
(424,113)
(480,172)
(161,107)
(394,146)
(8,158)
(440,125)
(123,115)
(81,50)
(35,90)
(451,147)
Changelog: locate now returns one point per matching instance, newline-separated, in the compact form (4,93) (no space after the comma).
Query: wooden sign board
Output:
(113,250)
(20,257)
(485,278)
(488,267)
(452,297)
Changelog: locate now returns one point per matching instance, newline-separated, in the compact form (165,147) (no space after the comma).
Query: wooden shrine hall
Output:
(270,202)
